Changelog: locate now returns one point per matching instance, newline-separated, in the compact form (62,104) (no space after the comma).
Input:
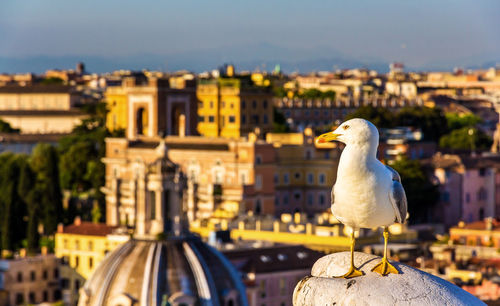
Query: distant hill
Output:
(263,56)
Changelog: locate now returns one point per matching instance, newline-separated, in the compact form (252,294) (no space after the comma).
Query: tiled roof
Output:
(89,228)
(480,225)
(14,89)
(281,258)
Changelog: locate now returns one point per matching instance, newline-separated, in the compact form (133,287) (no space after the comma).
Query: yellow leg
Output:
(385,267)
(353,272)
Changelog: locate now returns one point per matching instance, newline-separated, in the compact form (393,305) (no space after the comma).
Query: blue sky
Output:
(417,32)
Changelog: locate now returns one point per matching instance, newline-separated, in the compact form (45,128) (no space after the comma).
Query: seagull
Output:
(367,193)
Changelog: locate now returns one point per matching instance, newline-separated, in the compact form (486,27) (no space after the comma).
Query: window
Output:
(243,119)
(264,104)
(231,119)
(91,262)
(65,283)
(19,277)
(297,195)
(19,298)
(254,104)
(482,171)
(264,119)
(286,178)
(276,201)
(201,118)
(31,297)
(262,288)
(32,276)
(467,197)
(223,104)
(321,178)
(77,261)
(77,285)
(56,273)
(255,119)
(211,104)
(308,154)
(258,207)
(45,274)
(152,204)
(65,243)
(321,199)
(57,294)
(243,104)
(77,244)
(200,105)
(297,175)
(310,178)
(90,245)
(211,119)
(232,105)
(310,199)
(285,199)
(282,286)
(258,160)
(276,178)
(45,296)
(258,182)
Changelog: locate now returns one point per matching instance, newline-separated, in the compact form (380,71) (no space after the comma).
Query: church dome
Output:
(174,271)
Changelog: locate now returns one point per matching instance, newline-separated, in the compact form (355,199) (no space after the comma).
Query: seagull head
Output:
(354,131)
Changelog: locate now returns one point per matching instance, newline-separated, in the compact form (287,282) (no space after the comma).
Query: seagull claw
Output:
(353,272)
(384,267)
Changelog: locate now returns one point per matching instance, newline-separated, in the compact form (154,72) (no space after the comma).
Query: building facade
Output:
(149,107)
(233,107)
(31,280)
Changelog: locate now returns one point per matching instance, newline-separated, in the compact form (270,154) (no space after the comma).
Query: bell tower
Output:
(159,199)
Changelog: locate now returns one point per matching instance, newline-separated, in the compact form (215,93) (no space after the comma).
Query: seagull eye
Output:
(346,127)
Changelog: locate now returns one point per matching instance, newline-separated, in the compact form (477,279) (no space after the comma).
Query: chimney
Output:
(60,228)
(78,221)
(44,250)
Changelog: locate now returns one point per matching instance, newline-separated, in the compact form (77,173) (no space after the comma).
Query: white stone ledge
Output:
(411,287)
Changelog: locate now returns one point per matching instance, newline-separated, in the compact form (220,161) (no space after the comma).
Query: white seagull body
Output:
(367,194)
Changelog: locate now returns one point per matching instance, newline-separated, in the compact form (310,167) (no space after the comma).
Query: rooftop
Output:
(87,228)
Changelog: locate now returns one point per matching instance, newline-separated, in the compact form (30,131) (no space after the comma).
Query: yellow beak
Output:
(327,137)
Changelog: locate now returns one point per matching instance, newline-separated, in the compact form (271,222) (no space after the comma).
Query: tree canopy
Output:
(422,195)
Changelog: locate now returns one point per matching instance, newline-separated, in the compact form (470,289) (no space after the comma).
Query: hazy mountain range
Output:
(262,56)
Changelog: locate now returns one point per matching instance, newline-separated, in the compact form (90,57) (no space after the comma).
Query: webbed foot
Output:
(384,267)
(353,272)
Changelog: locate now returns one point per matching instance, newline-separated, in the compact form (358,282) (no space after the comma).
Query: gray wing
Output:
(397,197)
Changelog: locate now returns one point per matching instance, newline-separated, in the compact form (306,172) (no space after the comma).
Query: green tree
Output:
(466,138)
(279,122)
(5,127)
(458,121)
(45,163)
(431,121)
(27,191)
(52,81)
(81,169)
(14,211)
(422,195)
(381,117)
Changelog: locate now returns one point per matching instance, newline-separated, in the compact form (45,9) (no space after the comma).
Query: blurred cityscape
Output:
(95,163)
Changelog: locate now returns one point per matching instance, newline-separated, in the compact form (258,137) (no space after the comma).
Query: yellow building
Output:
(116,99)
(83,245)
(233,107)
(150,106)
(305,172)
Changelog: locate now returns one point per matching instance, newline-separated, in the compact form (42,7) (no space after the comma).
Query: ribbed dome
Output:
(180,270)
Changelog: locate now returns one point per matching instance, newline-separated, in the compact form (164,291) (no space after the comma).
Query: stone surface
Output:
(411,287)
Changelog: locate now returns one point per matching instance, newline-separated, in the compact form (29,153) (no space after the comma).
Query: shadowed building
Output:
(163,264)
